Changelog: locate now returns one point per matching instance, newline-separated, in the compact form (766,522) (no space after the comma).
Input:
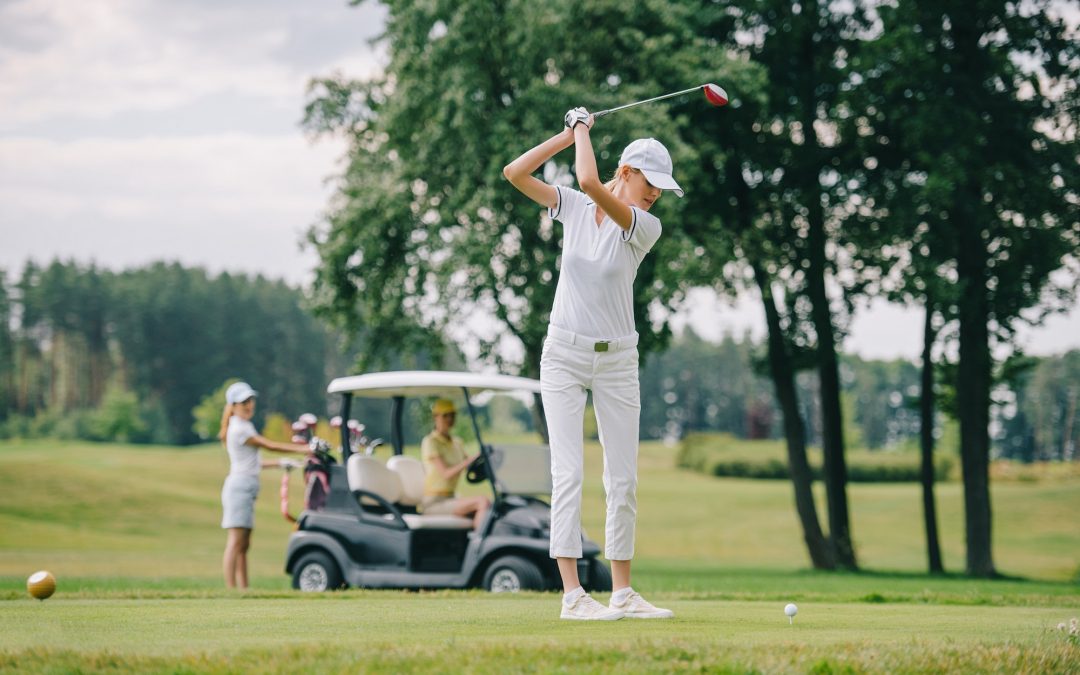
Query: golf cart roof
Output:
(427,383)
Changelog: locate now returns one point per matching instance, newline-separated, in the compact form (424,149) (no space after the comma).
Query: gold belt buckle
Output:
(601,346)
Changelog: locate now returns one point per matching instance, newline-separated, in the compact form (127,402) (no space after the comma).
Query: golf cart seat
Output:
(411,473)
(370,475)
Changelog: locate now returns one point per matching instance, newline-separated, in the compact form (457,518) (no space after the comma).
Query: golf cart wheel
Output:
(316,572)
(511,574)
(599,577)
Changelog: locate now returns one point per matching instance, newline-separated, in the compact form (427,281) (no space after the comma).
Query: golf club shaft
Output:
(648,100)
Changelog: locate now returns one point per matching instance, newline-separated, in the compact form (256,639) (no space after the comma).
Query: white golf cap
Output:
(649,156)
(238,392)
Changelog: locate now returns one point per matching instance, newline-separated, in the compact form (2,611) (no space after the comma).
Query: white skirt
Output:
(238,500)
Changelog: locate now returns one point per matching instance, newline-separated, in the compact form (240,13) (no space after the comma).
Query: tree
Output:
(424,233)
(696,385)
(119,417)
(207,414)
(162,335)
(972,106)
(1049,398)
(771,184)
(7,350)
(180,332)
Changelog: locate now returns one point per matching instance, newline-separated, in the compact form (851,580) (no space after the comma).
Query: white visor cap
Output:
(238,392)
(649,156)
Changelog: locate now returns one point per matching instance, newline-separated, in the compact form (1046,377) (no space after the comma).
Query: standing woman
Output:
(242,484)
(591,344)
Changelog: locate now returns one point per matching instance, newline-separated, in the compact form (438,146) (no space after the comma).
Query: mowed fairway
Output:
(132,535)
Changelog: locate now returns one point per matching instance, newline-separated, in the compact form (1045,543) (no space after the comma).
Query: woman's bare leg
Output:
(568,572)
(234,562)
(620,574)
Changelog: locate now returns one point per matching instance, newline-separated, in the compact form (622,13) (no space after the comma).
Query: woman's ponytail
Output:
(225,415)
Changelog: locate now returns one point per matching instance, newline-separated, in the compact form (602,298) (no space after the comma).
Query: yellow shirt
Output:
(451,451)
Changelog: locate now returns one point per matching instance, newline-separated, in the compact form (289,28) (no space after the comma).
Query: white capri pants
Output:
(570,364)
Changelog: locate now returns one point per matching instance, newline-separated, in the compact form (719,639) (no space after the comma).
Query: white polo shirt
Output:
(244,459)
(595,293)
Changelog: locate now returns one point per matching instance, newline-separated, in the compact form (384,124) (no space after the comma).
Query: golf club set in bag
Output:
(317,466)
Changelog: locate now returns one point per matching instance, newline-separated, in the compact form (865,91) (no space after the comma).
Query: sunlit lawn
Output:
(132,535)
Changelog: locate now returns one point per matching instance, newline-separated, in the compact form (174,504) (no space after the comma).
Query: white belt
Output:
(592,344)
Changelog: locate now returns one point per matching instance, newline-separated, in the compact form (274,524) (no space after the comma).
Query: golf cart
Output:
(369,533)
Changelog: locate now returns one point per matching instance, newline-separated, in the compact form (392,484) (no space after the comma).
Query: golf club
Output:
(714,94)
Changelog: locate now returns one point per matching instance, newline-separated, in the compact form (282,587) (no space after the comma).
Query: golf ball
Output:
(41,584)
(790,609)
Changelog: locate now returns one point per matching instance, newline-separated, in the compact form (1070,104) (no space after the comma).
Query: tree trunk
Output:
(832,427)
(783,377)
(1067,444)
(926,442)
(974,369)
(973,398)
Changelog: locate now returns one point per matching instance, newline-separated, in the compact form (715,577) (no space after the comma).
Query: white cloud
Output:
(141,130)
(96,58)
(225,202)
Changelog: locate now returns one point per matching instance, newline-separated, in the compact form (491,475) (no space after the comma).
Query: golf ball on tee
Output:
(790,610)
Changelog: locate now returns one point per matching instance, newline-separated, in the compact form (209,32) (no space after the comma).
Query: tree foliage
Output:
(141,347)
(968,115)
(424,233)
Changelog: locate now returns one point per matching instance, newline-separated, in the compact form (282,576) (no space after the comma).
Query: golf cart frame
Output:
(369,533)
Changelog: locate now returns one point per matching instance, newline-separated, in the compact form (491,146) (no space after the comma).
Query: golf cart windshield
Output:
(520,469)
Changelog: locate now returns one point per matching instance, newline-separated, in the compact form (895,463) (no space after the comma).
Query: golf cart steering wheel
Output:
(477,471)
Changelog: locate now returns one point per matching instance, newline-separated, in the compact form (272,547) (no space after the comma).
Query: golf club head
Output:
(335,422)
(309,419)
(299,426)
(715,94)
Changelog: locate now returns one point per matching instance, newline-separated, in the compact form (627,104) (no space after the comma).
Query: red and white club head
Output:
(298,439)
(715,94)
(335,421)
(309,419)
(299,426)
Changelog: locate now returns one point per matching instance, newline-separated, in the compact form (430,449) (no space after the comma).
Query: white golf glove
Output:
(576,116)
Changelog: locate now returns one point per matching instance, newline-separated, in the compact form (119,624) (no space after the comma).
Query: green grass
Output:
(450,632)
(132,535)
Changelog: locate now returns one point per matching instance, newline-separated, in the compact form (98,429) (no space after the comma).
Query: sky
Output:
(133,131)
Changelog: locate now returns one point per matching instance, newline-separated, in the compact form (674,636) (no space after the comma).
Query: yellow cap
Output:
(443,406)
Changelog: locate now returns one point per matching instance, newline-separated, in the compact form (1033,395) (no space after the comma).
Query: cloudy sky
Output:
(141,130)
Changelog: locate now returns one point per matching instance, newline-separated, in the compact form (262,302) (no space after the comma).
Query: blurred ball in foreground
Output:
(41,584)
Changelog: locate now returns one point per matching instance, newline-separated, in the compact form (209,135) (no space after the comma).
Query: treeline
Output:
(103,355)
(701,386)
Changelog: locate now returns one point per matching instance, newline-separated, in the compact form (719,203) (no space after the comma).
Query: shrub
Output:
(725,455)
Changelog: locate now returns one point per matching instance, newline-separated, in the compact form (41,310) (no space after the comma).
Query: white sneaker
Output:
(587,609)
(634,606)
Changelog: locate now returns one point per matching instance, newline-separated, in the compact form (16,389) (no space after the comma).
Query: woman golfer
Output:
(242,484)
(591,344)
